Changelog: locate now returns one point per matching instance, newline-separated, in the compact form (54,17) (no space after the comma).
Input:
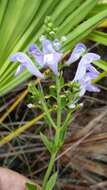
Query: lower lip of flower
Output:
(48,58)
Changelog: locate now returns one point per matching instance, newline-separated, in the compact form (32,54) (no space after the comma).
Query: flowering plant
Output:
(65,97)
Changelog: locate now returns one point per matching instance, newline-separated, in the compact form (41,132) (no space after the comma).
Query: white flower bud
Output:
(30,106)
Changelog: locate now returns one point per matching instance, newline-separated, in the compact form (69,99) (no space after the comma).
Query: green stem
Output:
(68,119)
(46,108)
(48,172)
(58,102)
(48,115)
(52,160)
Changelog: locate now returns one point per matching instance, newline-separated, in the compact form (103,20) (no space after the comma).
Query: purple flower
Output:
(85,65)
(25,62)
(49,57)
(86,72)
(86,85)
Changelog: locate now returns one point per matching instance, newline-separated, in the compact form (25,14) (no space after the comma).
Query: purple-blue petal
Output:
(54,64)
(90,76)
(57,57)
(93,70)
(51,60)
(33,69)
(84,66)
(81,70)
(54,68)
(34,50)
(76,54)
(90,57)
(19,57)
(27,63)
(20,69)
(47,46)
(37,54)
(86,83)
(92,88)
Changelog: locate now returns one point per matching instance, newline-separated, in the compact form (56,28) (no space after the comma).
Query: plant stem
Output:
(67,119)
(48,115)
(58,102)
(48,172)
(57,126)
(46,108)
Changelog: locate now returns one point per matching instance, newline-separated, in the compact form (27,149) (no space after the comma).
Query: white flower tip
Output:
(42,38)
(52,33)
(63,39)
(71,106)
(81,104)
(48,58)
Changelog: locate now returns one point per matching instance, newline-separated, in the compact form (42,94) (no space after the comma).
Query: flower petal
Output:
(81,71)
(92,88)
(57,44)
(34,50)
(77,52)
(57,56)
(54,68)
(47,46)
(20,69)
(93,70)
(38,55)
(90,76)
(27,62)
(82,90)
(90,57)
(51,60)
(84,65)
(19,57)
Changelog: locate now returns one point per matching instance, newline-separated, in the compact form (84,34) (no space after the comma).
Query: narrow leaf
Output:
(51,182)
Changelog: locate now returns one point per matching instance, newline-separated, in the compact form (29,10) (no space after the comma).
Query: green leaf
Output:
(64,9)
(77,16)
(51,182)
(63,101)
(46,142)
(101,64)
(98,8)
(84,29)
(31,186)
(52,91)
(100,37)
(61,82)
(33,90)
